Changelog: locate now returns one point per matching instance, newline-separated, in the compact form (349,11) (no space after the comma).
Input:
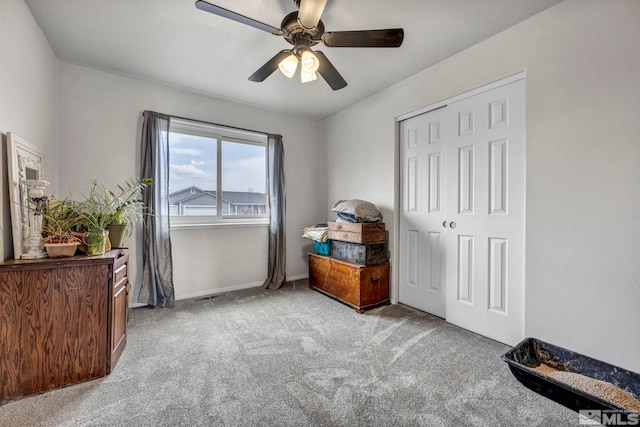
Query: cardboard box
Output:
(359,232)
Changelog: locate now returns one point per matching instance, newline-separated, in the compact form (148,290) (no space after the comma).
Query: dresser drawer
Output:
(120,272)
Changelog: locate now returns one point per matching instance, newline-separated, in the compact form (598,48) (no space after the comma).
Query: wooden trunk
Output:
(357,232)
(363,254)
(60,321)
(361,287)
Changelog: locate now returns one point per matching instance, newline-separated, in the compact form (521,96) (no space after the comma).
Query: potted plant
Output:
(102,206)
(129,209)
(59,222)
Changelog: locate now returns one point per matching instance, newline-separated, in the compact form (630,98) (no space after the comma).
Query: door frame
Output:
(395,253)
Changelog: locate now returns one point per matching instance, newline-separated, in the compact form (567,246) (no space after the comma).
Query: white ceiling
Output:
(171,41)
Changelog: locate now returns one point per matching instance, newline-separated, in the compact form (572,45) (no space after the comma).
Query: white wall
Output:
(582,59)
(100,117)
(583,157)
(28,75)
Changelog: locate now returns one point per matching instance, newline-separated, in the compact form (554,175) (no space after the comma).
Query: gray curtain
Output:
(277,201)
(157,274)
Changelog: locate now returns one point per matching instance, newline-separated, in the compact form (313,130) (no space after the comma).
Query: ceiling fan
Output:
(304,29)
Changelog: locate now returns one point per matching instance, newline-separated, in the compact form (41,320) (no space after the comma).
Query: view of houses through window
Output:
(216,171)
(196,201)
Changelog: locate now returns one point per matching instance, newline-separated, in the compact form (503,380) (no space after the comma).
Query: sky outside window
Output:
(243,167)
(193,163)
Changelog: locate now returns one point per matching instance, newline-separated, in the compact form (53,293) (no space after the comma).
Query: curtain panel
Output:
(276,276)
(157,288)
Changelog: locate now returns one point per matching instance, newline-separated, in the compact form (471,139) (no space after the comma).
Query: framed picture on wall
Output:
(25,162)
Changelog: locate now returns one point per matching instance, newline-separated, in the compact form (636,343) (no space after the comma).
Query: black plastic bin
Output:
(531,352)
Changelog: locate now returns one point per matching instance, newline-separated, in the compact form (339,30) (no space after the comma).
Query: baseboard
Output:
(218,290)
(221,290)
(137,304)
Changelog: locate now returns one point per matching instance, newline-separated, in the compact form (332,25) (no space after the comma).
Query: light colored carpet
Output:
(294,357)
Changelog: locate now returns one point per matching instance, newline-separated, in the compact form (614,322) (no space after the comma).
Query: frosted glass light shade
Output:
(288,65)
(307,77)
(309,62)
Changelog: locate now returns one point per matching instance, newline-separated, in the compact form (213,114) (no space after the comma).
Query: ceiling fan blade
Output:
(217,10)
(329,72)
(367,38)
(267,69)
(310,12)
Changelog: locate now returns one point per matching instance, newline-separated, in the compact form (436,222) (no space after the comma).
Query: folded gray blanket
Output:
(356,210)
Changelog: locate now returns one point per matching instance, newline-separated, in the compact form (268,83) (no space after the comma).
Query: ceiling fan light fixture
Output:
(307,77)
(289,65)
(309,62)
(304,29)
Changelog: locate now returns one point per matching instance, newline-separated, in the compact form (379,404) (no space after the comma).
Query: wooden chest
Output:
(357,232)
(361,287)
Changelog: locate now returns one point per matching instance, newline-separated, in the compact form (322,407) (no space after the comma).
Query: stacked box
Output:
(360,243)
(359,232)
(323,248)
(365,254)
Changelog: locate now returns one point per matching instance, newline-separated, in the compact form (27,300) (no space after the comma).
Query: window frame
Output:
(220,134)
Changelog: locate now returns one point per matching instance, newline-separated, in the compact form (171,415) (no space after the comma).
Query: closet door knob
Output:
(452,224)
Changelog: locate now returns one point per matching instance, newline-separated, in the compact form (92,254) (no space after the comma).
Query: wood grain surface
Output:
(361,287)
(54,319)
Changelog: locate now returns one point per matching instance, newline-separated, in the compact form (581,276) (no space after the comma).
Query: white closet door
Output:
(423,204)
(462,217)
(485,213)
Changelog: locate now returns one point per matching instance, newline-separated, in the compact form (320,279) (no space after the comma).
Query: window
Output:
(216,174)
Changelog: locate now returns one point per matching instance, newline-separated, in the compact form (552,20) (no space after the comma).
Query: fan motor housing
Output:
(293,31)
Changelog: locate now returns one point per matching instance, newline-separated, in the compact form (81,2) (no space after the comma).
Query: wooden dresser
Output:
(361,287)
(62,321)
